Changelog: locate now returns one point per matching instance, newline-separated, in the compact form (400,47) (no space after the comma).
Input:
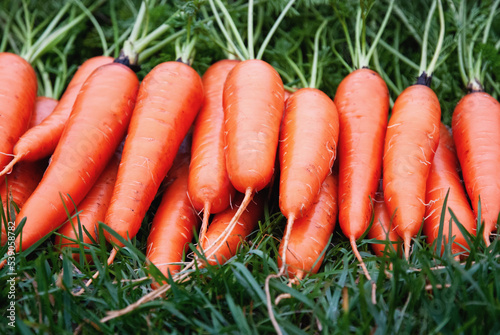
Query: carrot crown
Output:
(425,72)
(473,73)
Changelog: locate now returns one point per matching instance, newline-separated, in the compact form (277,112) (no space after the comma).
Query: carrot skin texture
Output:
(362,100)
(311,233)
(25,177)
(44,106)
(382,229)
(208,178)
(475,125)
(443,177)
(246,224)
(308,145)
(253,101)
(92,210)
(167,103)
(173,225)
(96,126)
(411,140)
(17,101)
(41,141)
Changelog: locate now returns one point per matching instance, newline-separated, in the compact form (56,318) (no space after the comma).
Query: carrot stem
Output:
(273,29)
(225,32)
(250,30)
(233,27)
(423,57)
(439,45)
(314,70)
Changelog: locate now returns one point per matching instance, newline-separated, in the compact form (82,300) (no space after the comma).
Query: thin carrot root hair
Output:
(8,168)
(365,270)
(204,224)
(225,234)
(289,226)
(110,261)
(407,246)
(298,276)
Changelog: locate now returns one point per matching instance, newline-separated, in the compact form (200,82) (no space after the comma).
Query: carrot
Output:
(311,233)
(96,126)
(475,125)
(92,210)
(209,187)
(40,141)
(253,101)
(307,152)
(159,124)
(247,223)
(443,177)
(362,100)
(17,101)
(25,178)
(382,228)
(173,225)
(44,106)
(411,140)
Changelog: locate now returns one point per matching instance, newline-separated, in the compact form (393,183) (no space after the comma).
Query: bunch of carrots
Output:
(218,142)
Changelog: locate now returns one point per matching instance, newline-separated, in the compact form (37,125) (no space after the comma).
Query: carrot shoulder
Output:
(94,130)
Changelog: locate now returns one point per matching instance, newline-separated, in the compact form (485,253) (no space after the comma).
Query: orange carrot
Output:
(246,223)
(311,233)
(307,152)
(40,141)
(382,228)
(17,101)
(411,141)
(97,124)
(362,100)
(209,187)
(92,210)
(44,106)
(475,124)
(173,225)
(253,100)
(25,178)
(159,123)
(443,177)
